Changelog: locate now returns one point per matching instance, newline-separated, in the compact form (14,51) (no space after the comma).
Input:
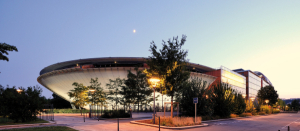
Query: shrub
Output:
(266,109)
(115,114)
(177,121)
(233,115)
(261,113)
(245,114)
(275,111)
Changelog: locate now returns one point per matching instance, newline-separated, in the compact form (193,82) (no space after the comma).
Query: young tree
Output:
(4,48)
(98,96)
(169,65)
(138,82)
(59,103)
(114,92)
(267,93)
(79,95)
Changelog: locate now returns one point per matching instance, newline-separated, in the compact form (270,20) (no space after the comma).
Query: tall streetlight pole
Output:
(154,82)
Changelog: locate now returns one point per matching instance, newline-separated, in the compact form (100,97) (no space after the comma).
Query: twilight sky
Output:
(257,35)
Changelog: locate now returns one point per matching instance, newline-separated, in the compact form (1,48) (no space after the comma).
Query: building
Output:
(59,77)
(254,81)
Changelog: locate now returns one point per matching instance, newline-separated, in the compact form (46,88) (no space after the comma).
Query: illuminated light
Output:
(154,81)
(134,31)
(92,90)
(194,68)
(77,65)
(252,98)
(267,101)
(206,96)
(244,95)
(115,62)
(19,90)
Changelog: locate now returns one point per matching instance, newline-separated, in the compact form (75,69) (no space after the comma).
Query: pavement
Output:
(261,123)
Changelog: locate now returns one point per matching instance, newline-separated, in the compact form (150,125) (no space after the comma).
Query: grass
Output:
(174,122)
(48,128)
(6,121)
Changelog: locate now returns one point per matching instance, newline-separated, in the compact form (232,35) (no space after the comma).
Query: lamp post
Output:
(154,82)
(92,92)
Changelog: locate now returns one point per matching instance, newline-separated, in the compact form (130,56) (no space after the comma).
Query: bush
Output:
(205,118)
(69,111)
(266,109)
(233,115)
(275,111)
(115,114)
(261,113)
(24,105)
(177,121)
(245,114)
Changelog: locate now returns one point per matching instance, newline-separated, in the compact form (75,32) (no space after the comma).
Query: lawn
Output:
(6,121)
(48,128)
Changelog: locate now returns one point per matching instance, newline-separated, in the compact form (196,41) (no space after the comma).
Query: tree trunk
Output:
(81,110)
(171,106)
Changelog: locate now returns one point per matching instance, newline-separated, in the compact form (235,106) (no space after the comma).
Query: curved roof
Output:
(263,76)
(112,62)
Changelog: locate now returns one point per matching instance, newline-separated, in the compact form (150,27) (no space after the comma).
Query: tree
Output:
(267,93)
(114,92)
(4,48)
(79,95)
(24,105)
(98,96)
(195,88)
(295,105)
(169,65)
(223,98)
(139,85)
(59,103)
(239,104)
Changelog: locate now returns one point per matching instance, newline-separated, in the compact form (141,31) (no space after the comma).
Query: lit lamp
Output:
(154,82)
(252,99)
(244,96)
(19,90)
(267,101)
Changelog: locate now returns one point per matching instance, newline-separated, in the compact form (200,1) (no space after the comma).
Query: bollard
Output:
(118,124)
(288,128)
(83,118)
(159,123)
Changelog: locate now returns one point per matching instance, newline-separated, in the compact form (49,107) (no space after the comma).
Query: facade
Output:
(235,80)
(254,82)
(59,77)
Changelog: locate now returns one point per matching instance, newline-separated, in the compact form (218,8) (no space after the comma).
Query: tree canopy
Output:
(169,65)
(4,48)
(267,93)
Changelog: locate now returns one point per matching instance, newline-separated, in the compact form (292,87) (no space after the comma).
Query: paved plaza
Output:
(260,123)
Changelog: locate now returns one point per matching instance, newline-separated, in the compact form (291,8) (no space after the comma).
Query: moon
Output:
(134,31)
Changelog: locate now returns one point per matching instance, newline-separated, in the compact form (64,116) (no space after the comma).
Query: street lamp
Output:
(244,96)
(154,82)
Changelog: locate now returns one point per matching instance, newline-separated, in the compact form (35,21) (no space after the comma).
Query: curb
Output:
(25,125)
(236,118)
(167,127)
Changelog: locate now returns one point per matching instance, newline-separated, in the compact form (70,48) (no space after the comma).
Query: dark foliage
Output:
(191,89)
(115,114)
(295,105)
(267,93)
(4,48)
(24,105)
(59,103)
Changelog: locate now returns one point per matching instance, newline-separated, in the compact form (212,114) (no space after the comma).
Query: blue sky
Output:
(258,35)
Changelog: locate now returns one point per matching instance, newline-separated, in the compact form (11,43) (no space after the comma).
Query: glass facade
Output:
(265,83)
(254,84)
(235,80)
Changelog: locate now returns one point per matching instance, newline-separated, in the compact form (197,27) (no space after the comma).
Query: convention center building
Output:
(59,77)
